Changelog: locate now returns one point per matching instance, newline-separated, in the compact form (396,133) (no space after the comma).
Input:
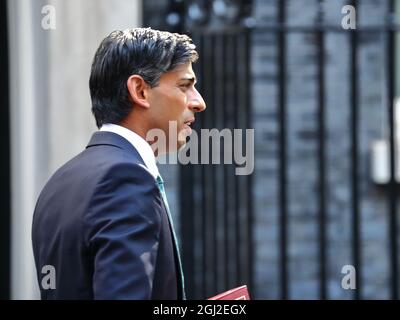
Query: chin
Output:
(181,144)
(182,139)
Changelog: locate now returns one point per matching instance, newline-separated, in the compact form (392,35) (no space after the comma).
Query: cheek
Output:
(171,106)
(178,103)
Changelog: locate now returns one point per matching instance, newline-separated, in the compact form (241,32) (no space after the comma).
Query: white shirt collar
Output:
(141,145)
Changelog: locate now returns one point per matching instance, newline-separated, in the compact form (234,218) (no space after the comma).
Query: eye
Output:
(185,86)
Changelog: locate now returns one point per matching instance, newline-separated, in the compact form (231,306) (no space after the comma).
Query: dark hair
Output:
(142,51)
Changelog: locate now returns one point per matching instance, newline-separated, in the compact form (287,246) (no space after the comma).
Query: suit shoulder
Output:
(136,173)
(126,195)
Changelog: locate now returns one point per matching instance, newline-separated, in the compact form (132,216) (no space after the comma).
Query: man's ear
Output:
(138,90)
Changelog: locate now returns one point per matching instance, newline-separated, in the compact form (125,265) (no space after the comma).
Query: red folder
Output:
(239,293)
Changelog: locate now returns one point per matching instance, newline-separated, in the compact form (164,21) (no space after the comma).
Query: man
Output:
(102,221)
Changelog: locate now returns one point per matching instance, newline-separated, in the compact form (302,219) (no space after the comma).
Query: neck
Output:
(140,128)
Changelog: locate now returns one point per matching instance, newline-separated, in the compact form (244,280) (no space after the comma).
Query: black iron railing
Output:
(216,205)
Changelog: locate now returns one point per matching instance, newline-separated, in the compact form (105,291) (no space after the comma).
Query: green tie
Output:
(160,184)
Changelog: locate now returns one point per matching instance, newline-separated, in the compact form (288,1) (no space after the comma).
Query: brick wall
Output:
(302,90)
(302,86)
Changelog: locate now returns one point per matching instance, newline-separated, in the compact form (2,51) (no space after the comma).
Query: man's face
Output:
(175,99)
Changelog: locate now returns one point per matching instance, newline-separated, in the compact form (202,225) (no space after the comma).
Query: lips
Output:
(187,125)
(189,121)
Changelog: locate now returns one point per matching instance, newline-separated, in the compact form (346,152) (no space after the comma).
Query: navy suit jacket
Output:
(100,221)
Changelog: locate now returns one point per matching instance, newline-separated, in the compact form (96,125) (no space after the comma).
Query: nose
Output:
(196,102)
